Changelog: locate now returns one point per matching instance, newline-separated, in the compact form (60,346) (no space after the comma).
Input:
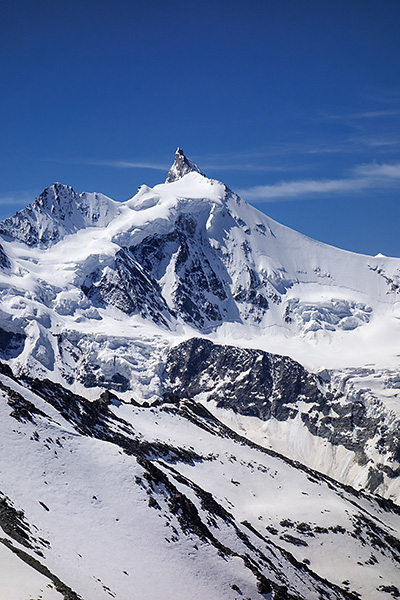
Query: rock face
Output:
(250,382)
(182,166)
(11,344)
(4,261)
(199,294)
(128,287)
(257,384)
(57,212)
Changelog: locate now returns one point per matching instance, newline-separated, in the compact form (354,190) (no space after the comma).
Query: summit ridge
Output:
(181,166)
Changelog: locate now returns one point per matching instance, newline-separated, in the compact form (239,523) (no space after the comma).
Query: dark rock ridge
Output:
(182,166)
(4,260)
(129,287)
(11,344)
(258,384)
(14,524)
(201,295)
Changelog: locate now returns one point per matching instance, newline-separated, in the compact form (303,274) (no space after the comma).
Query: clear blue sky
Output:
(295,104)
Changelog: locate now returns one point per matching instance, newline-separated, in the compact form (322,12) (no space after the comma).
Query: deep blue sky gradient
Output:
(98,95)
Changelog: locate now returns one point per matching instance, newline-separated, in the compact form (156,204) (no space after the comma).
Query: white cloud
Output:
(17,199)
(373,141)
(363,177)
(215,163)
(291,189)
(371,114)
(240,167)
(125,164)
(381,171)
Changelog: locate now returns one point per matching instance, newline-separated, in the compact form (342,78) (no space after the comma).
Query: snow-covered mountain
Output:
(211,327)
(57,212)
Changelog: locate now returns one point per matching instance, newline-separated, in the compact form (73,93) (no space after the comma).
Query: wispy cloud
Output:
(276,157)
(17,199)
(287,190)
(371,114)
(245,167)
(379,171)
(216,163)
(285,156)
(126,164)
(362,177)
(377,141)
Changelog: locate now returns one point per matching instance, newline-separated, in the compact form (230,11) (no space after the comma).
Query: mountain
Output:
(58,212)
(234,380)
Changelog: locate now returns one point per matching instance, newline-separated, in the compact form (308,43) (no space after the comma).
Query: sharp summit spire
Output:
(182,166)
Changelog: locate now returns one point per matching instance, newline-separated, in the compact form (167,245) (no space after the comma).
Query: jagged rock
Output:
(4,260)
(58,211)
(182,166)
(127,286)
(11,344)
(199,295)
(255,383)
(268,386)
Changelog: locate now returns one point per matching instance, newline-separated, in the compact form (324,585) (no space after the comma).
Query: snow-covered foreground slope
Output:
(188,293)
(110,499)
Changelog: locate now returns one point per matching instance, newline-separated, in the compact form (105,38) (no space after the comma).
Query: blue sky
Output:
(294,104)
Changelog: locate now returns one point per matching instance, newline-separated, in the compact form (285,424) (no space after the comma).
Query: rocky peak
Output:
(57,194)
(57,212)
(182,166)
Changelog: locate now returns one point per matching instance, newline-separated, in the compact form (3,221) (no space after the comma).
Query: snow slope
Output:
(110,499)
(181,298)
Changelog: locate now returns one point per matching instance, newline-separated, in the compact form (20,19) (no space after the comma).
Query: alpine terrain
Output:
(196,402)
